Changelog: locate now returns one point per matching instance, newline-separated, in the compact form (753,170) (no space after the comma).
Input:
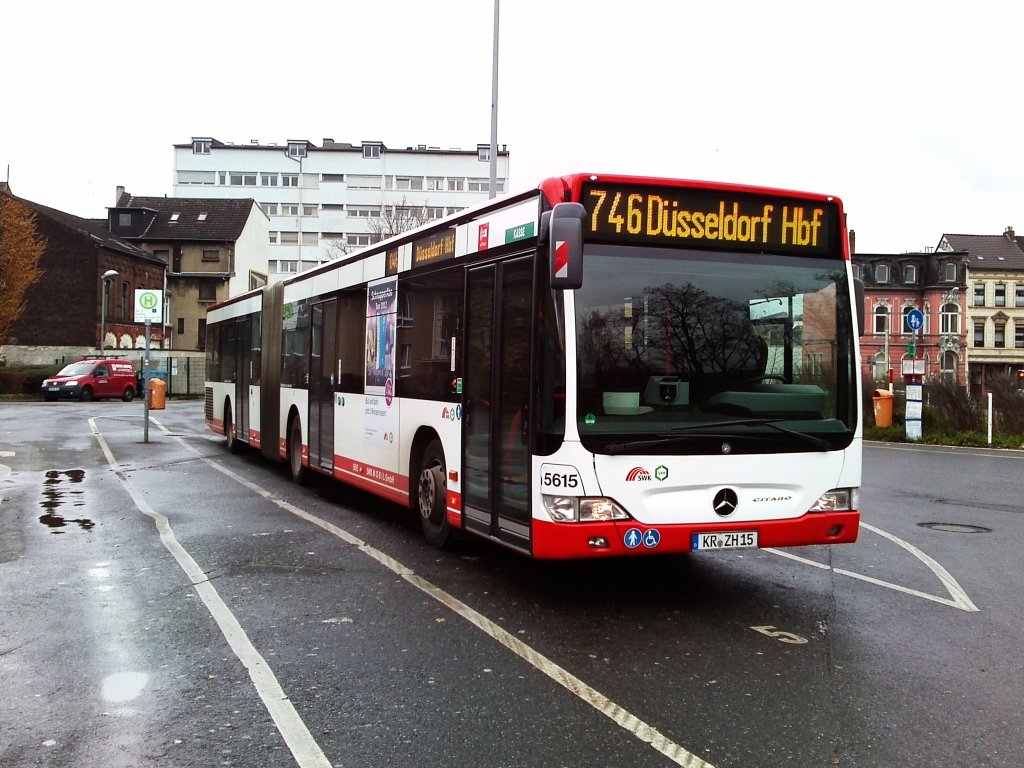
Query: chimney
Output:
(120,194)
(1009,233)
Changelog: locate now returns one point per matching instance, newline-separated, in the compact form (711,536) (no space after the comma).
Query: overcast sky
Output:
(908,111)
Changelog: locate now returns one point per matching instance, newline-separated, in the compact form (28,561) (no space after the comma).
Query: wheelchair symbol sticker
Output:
(635,537)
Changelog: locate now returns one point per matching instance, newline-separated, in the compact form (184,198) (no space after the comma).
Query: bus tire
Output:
(234,444)
(300,474)
(432,496)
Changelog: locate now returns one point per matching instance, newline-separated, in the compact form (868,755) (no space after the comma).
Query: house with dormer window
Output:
(213,249)
(994,303)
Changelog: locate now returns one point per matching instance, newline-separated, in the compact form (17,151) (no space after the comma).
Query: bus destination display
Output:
(718,219)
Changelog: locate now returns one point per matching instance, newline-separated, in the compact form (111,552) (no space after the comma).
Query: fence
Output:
(184,374)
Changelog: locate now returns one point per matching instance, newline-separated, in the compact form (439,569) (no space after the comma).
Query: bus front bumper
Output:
(564,541)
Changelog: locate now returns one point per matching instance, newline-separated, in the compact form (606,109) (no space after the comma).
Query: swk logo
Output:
(638,475)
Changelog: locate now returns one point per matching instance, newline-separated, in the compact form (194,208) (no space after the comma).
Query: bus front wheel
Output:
(432,496)
(300,474)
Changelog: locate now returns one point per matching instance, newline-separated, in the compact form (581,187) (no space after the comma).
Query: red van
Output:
(91,379)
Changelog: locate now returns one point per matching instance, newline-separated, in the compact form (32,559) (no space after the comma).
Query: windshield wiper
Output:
(817,442)
(614,449)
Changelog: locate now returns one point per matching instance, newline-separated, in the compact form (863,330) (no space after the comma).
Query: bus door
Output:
(322,381)
(496,393)
(243,356)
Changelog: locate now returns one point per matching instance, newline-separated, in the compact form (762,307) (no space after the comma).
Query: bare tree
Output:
(394,219)
(21,247)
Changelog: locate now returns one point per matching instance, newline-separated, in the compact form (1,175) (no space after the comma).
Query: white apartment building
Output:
(325,201)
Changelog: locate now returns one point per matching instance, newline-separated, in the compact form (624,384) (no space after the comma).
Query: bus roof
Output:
(550,191)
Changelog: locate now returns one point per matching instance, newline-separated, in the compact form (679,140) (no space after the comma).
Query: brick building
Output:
(62,312)
(894,286)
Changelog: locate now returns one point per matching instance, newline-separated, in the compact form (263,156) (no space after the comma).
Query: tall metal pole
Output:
(103,313)
(300,214)
(145,392)
(108,276)
(494,108)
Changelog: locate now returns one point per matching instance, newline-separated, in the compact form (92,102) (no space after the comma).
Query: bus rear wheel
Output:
(234,444)
(300,474)
(432,496)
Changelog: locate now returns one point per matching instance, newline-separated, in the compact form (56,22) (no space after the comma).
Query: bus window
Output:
(550,364)
(351,341)
(255,347)
(213,353)
(228,351)
(429,311)
(295,345)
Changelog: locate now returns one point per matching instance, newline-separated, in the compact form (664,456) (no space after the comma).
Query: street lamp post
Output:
(108,276)
(888,362)
(494,109)
(298,220)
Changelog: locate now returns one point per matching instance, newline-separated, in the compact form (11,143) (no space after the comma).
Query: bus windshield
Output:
(691,351)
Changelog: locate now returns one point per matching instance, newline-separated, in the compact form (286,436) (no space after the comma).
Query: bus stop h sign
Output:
(148,305)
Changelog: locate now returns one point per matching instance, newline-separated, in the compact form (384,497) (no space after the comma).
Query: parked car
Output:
(93,378)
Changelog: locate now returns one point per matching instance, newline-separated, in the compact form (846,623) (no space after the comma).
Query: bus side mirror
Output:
(564,233)
(858,293)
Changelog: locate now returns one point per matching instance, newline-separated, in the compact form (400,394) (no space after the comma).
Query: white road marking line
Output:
(951,584)
(621,717)
(1013,454)
(959,596)
(4,469)
(300,741)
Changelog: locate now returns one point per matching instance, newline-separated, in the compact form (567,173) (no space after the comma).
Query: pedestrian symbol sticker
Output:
(635,537)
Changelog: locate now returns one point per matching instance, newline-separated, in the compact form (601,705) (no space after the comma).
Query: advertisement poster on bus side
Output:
(379,421)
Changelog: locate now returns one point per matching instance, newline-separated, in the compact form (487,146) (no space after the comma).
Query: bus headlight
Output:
(837,500)
(566,509)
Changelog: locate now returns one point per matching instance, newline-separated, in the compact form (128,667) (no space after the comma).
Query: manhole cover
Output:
(956,527)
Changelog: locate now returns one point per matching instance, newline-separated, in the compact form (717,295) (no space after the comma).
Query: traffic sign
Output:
(915,319)
(148,305)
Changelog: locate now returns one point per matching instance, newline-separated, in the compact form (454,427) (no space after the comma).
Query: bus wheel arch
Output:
(429,497)
(299,472)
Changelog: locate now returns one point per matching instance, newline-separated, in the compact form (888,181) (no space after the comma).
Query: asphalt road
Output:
(169,604)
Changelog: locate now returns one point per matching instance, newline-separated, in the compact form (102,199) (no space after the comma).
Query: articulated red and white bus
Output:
(601,366)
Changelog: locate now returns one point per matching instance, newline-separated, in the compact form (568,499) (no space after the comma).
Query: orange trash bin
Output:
(156,391)
(882,400)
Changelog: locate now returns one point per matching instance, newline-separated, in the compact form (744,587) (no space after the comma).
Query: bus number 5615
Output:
(560,478)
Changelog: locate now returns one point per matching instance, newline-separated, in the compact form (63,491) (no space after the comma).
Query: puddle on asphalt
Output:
(57,494)
(124,686)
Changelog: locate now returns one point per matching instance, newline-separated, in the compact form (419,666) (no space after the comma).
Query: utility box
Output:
(156,394)
(882,400)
